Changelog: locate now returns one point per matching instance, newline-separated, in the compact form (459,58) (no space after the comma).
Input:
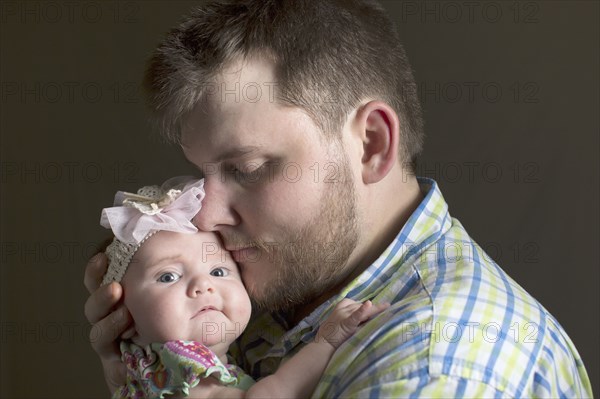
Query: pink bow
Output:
(169,207)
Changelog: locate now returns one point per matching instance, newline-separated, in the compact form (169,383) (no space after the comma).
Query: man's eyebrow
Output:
(237,152)
(229,154)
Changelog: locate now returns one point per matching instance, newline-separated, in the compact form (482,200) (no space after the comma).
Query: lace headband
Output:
(136,217)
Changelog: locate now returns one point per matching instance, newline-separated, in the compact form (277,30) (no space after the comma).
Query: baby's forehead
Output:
(197,237)
(169,244)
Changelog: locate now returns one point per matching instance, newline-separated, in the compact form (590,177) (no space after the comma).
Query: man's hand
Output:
(110,322)
(345,319)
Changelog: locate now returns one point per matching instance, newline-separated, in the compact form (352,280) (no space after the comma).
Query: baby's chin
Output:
(144,340)
(219,345)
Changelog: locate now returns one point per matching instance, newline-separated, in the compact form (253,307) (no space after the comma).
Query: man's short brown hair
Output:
(329,55)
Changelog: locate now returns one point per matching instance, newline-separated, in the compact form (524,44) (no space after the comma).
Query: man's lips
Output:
(204,310)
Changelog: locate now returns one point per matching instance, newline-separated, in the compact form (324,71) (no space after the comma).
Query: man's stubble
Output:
(312,259)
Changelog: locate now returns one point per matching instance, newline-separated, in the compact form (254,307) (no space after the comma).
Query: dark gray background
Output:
(510,92)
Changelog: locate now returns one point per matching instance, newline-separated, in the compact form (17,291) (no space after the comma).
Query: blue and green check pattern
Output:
(458,325)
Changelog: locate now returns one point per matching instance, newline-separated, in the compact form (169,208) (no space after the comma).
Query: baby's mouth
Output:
(204,310)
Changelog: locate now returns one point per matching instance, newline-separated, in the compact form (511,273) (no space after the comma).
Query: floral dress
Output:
(173,367)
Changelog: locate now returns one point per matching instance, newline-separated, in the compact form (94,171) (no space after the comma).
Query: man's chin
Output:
(254,283)
(274,296)
(248,272)
(263,295)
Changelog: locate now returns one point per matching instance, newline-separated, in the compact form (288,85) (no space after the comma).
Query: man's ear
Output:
(380,131)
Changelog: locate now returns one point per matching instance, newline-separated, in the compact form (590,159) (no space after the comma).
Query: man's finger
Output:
(104,333)
(94,271)
(130,332)
(102,301)
(115,373)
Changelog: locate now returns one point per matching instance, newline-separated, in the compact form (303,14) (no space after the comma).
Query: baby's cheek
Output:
(244,311)
(136,307)
(155,325)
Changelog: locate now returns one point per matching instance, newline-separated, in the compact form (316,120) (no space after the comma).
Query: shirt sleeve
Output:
(423,387)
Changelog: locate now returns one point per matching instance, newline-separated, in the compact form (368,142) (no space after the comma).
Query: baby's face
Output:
(186,287)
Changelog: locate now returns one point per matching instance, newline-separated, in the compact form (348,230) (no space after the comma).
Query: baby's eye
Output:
(168,277)
(219,272)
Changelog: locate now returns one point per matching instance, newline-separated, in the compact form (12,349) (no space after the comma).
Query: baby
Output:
(188,303)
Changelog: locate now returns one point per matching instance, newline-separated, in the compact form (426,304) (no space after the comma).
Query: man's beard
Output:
(313,259)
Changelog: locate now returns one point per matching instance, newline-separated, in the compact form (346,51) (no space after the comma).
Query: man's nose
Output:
(217,210)
(200,285)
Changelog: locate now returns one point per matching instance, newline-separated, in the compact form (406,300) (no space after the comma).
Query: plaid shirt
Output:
(458,325)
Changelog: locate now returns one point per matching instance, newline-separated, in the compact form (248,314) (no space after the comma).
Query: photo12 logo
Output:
(471,12)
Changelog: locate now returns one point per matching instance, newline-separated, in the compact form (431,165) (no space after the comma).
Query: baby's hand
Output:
(345,320)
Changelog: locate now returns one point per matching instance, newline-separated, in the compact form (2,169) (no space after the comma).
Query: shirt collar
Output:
(429,221)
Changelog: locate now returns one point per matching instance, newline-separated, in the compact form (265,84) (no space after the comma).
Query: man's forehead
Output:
(250,80)
(248,69)
(235,104)
(219,137)
(218,142)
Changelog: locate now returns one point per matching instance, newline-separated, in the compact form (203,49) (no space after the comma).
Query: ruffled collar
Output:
(169,368)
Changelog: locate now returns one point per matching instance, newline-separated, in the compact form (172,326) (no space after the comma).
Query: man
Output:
(303,118)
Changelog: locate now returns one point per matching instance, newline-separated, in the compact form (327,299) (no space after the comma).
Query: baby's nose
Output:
(200,285)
